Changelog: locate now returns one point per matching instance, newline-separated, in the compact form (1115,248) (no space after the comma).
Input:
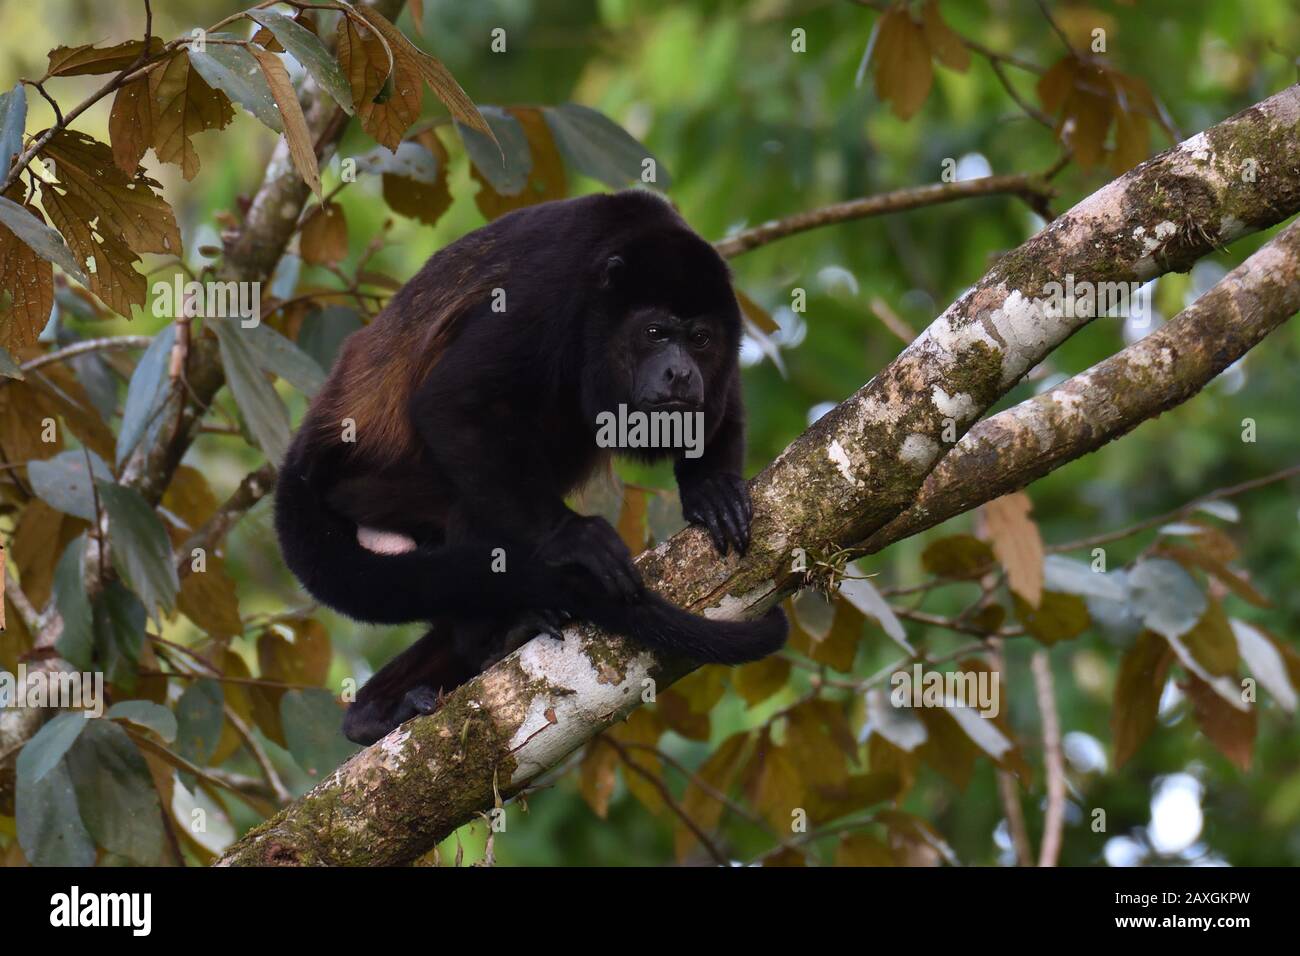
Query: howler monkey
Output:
(427,481)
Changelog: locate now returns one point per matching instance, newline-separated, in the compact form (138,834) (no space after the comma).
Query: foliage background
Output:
(751,131)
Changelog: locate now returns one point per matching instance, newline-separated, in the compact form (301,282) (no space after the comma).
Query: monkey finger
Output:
(740,523)
(732,527)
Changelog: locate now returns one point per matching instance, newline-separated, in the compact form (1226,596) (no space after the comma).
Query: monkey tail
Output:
(658,624)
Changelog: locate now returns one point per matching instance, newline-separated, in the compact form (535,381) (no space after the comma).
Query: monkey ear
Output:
(612,272)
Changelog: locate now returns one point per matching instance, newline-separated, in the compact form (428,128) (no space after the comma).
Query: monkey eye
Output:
(656,333)
(699,338)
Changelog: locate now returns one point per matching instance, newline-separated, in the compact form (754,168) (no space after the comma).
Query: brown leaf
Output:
(38,542)
(839,647)
(675,711)
(547,179)
(183,104)
(324,239)
(1017,544)
(266,39)
(237,699)
(1230,730)
(387,91)
(631,519)
(903,69)
(1058,617)
(1141,681)
(418,200)
(28,280)
(958,556)
(758,681)
(947,747)
(715,775)
(90,59)
(643,726)
(130,124)
(129,217)
(597,775)
(943,42)
(778,791)
(1212,642)
(756,313)
(208,599)
(20,430)
(703,688)
(189,499)
(301,149)
(440,80)
(862,849)
(818,759)
(62,395)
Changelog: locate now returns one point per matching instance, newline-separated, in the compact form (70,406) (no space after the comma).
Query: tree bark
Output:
(849,475)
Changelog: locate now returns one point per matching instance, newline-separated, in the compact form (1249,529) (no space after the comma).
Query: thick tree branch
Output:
(850,474)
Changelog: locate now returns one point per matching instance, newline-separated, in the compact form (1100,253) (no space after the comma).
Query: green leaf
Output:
(13,120)
(146,713)
(307,49)
(142,553)
(595,145)
(50,830)
(1166,597)
(119,622)
(1058,617)
(43,752)
(147,394)
(958,556)
(508,173)
(234,71)
(76,642)
(279,356)
(116,794)
(43,240)
(200,715)
(312,727)
(61,482)
(261,407)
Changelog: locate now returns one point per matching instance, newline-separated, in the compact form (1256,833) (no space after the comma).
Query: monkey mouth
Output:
(673,405)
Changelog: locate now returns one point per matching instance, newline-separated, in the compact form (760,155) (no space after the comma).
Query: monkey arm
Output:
(713,493)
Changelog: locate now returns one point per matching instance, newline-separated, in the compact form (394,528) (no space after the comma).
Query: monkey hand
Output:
(591,545)
(721,504)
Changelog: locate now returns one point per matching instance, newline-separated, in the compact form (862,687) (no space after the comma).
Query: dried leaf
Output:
(301,149)
(208,598)
(1141,681)
(943,42)
(597,775)
(324,239)
(546,179)
(28,281)
(1017,544)
(89,59)
(130,124)
(904,73)
(1232,731)
(183,104)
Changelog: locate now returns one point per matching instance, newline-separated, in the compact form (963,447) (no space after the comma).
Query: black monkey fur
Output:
(458,428)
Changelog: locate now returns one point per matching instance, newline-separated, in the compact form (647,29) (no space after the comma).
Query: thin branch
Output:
(255,486)
(282,794)
(112,343)
(1028,186)
(666,795)
(1181,511)
(1049,850)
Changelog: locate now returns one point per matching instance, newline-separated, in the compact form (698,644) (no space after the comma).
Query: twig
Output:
(1049,850)
(256,485)
(282,794)
(1179,512)
(705,841)
(111,343)
(1027,186)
